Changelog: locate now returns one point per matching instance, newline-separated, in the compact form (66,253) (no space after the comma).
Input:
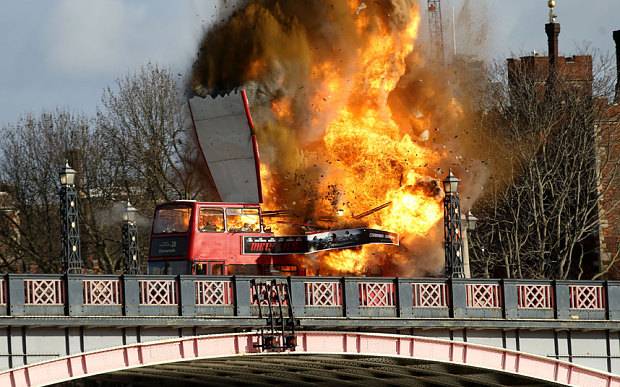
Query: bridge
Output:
(105,328)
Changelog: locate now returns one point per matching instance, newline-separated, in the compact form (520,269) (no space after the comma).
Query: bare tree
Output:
(32,151)
(154,154)
(540,218)
(137,148)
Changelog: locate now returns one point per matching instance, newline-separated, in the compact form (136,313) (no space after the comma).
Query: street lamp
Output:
(67,175)
(71,259)
(129,215)
(453,242)
(470,225)
(130,240)
(451,184)
(472,221)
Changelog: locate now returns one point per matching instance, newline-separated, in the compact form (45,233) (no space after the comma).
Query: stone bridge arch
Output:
(221,346)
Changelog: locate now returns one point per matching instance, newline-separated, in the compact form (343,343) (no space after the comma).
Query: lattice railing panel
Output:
(282,292)
(214,293)
(430,295)
(44,292)
(323,294)
(483,296)
(102,292)
(2,292)
(586,296)
(535,296)
(376,294)
(158,292)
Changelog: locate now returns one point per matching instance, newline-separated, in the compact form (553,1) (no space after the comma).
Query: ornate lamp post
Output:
(130,240)
(71,259)
(453,240)
(470,225)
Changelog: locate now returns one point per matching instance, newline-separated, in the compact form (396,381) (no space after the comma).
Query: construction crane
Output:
(435,27)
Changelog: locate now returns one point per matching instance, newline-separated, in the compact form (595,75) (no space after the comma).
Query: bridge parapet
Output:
(351,297)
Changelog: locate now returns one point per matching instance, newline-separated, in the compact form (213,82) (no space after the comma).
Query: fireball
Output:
(364,153)
(333,147)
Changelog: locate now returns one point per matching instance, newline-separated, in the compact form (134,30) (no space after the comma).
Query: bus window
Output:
(216,268)
(245,269)
(209,268)
(211,220)
(200,268)
(171,220)
(167,267)
(242,220)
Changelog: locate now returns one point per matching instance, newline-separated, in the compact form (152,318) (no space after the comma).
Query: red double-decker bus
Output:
(229,237)
(190,237)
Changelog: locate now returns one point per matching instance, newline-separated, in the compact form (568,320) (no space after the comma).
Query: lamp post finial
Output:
(552,16)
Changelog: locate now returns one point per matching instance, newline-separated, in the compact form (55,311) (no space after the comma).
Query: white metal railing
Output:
(586,297)
(430,295)
(2,292)
(214,293)
(44,292)
(102,292)
(323,294)
(574,297)
(376,294)
(533,296)
(158,292)
(483,295)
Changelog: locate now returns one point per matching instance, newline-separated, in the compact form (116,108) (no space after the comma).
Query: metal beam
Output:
(343,356)
(309,323)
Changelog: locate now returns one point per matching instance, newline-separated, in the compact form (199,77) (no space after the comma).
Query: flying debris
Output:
(230,237)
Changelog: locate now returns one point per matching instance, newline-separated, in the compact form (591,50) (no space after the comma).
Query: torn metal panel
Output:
(224,131)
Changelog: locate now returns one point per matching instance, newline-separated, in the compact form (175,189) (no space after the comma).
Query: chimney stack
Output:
(553,33)
(617,40)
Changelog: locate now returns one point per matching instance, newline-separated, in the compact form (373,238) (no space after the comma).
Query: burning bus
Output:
(231,237)
(206,238)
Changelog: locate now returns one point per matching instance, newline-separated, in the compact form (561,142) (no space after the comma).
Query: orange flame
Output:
(364,153)
(281,108)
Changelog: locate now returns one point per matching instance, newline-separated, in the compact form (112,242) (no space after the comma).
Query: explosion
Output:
(337,132)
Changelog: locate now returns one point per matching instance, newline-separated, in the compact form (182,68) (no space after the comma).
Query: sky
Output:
(63,53)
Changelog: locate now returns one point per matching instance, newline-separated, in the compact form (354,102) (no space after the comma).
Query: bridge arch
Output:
(309,343)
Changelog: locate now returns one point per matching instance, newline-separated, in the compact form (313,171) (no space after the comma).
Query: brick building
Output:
(9,221)
(577,71)
(608,143)
(608,147)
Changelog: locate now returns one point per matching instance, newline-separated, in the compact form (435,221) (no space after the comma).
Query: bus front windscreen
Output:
(170,220)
